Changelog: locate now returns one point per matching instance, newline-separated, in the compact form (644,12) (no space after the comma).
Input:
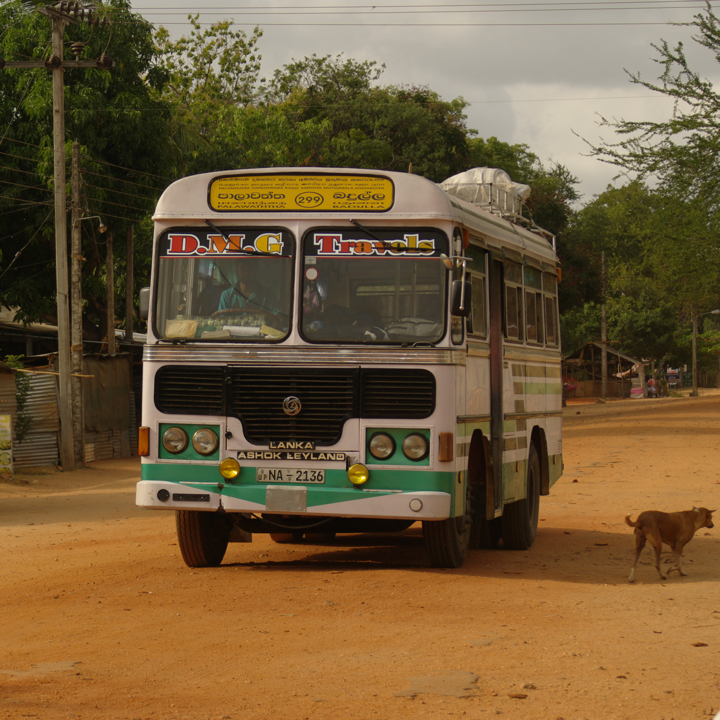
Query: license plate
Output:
(285,475)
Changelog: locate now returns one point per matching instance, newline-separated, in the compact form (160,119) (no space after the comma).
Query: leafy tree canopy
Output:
(121,125)
(680,152)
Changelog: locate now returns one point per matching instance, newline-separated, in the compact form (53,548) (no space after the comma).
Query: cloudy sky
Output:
(538,73)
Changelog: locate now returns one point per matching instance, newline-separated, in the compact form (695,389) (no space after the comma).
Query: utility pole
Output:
(61,14)
(603,330)
(110,295)
(76,348)
(129,283)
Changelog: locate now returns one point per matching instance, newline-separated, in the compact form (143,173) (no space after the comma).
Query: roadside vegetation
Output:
(172,107)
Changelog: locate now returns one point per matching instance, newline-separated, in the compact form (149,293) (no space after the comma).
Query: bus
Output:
(334,350)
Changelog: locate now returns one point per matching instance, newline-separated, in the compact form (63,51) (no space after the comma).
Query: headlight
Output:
(415,447)
(205,442)
(381,446)
(175,440)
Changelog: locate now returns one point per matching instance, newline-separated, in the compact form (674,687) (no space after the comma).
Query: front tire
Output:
(447,541)
(520,518)
(203,537)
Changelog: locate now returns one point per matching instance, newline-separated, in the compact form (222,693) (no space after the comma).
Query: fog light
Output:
(358,474)
(163,495)
(229,468)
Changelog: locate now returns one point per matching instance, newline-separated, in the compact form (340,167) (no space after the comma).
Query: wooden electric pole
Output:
(60,15)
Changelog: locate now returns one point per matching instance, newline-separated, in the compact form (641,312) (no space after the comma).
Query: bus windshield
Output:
(235,287)
(386,288)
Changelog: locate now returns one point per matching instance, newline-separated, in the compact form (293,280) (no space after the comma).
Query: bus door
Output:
(496,379)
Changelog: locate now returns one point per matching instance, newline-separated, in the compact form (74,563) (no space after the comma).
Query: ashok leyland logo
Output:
(292,405)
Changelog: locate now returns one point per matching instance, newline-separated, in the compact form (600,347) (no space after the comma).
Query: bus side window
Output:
(533,305)
(550,296)
(478,317)
(513,301)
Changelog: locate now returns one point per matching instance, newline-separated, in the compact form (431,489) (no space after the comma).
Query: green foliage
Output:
(22,392)
(121,124)
(579,325)
(207,72)
(679,152)
(329,111)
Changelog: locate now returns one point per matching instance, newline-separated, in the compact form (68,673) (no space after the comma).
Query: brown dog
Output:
(674,529)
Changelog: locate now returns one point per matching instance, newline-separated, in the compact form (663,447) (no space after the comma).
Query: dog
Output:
(674,529)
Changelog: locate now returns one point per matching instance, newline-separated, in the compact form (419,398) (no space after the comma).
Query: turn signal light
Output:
(143,441)
(445,451)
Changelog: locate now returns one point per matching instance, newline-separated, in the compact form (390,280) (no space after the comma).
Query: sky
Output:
(538,73)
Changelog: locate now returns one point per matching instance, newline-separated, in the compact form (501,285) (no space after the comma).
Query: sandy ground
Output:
(101,619)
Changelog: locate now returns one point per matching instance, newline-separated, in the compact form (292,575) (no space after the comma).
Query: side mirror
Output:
(144,298)
(461,298)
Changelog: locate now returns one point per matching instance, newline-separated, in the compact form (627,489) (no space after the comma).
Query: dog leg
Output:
(656,542)
(639,545)
(677,554)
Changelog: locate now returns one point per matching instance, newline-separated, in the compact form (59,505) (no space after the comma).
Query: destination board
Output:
(300,193)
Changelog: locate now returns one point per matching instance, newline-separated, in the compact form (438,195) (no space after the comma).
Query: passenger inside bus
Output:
(247,292)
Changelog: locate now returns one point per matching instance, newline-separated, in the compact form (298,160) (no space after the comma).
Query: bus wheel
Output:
(520,518)
(202,536)
(285,538)
(447,541)
(325,537)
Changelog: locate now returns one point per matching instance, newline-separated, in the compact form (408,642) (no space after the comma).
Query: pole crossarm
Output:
(104,63)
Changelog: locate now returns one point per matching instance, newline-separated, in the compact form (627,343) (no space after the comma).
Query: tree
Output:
(122,127)
(680,152)
(208,72)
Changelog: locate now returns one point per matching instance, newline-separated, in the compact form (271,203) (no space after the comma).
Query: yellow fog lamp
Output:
(358,474)
(229,468)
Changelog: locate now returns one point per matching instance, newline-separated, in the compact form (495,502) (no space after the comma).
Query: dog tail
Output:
(629,522)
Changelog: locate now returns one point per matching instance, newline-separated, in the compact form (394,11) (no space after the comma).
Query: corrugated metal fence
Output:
(40,447)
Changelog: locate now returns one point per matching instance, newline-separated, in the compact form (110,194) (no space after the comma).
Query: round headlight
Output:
(205,442)
(358,474)
(415,447)
(175,440)
(381,446)
(229,468)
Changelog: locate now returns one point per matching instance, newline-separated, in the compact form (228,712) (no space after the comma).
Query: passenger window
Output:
(513,301)
(550,297)
(478,316)
(513,313)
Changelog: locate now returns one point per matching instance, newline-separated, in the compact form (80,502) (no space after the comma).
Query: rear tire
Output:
(286,538)
(202,536)
(520,518)
(326,537)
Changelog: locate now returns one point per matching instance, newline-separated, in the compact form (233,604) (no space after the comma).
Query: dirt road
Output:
(101,619)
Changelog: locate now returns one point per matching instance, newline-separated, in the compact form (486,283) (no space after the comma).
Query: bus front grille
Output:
(189,390)
(282,404)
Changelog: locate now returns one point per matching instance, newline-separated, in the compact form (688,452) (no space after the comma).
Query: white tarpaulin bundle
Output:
(488,188)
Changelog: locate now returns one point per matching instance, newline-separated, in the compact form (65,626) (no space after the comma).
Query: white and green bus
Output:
(347,351)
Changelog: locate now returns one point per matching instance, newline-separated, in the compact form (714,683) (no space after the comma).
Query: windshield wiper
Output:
(386,245)
(243,251)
